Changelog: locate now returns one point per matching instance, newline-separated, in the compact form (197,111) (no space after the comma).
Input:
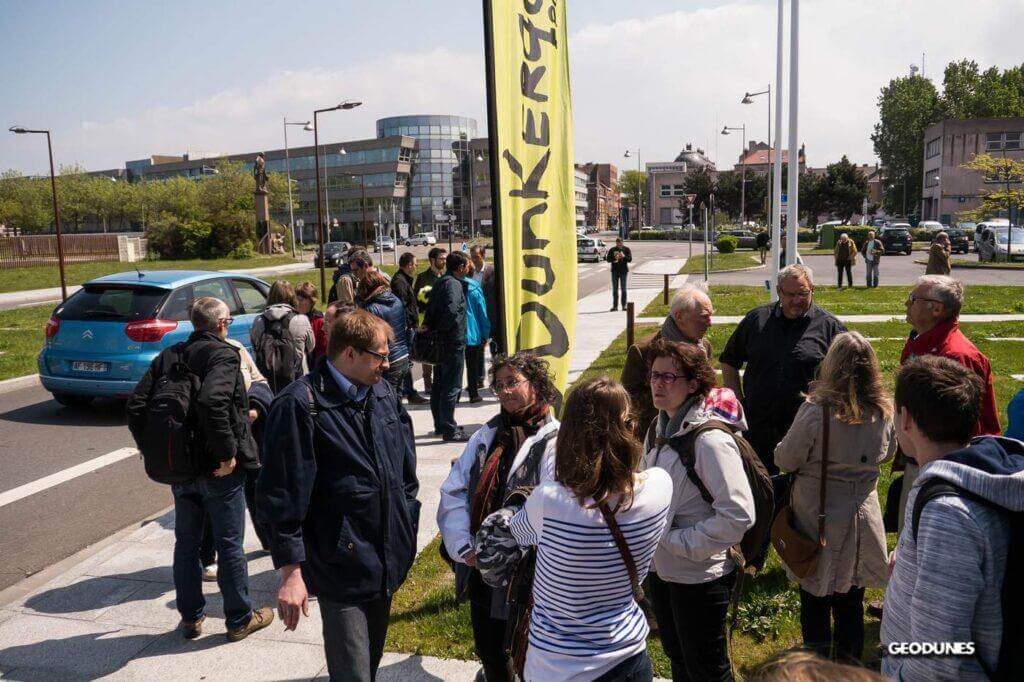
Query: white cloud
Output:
(654,83)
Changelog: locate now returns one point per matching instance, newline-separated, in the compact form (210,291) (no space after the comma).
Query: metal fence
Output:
(41,249)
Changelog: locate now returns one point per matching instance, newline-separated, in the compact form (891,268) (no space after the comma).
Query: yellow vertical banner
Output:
(530,129)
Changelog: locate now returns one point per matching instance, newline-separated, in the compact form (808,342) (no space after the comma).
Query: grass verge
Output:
(722,262)
(45,276)
(886,300)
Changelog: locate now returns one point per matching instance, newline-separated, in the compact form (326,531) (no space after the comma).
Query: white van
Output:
(980,228)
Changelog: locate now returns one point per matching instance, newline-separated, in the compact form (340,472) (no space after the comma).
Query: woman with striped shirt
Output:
(585,623)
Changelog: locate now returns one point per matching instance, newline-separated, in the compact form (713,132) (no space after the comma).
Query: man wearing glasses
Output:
(446,317)
(338,489)
(781,345)
(933,310)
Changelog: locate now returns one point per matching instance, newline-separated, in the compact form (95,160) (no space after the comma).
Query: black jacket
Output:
(446,312)
(402,287)
(338,487)
(222,406)
(619,266)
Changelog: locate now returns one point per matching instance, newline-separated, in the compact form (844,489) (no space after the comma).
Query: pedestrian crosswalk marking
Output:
(47,482)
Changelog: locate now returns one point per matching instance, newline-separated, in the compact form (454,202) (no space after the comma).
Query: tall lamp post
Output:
(347,104)
(472,204)
(743,182)
(19,130)
(307,126)
(639,191)
(748,98)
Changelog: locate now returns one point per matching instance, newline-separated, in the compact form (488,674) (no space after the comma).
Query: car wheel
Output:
(72,400)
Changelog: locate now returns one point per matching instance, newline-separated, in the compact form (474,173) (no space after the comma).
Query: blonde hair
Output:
(850,381)
(805,666)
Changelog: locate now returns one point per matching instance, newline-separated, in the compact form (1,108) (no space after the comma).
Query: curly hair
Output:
(596,453)
(535,369)
(689,359)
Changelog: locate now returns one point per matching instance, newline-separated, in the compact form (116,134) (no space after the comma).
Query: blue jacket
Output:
(478,326)
(1015,415)
(338,487)
(389,308)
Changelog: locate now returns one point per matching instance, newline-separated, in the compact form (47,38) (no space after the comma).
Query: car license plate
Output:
(83,366)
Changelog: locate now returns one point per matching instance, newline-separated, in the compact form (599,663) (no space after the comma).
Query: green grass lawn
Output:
(722,262)
(885,300)
(44,276)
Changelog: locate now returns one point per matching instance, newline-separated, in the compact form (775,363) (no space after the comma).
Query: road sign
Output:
(784,200)
(691,199)
(403,230)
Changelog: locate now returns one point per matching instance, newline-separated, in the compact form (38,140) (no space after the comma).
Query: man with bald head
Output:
(688,321)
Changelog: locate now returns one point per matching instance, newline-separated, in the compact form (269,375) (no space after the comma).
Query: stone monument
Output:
(262,203)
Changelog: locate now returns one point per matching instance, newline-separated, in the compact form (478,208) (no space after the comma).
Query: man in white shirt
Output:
(873,252)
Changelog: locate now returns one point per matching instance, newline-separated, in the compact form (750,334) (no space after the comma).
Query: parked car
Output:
(931,226)
(589,248)
(384,243)
(334,251)
(980,228)
(101,341)
(748,240)
(996,241)
(896,238)
(421,239)
(959,240)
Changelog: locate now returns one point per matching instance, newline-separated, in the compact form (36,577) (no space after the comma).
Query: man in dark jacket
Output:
(446,316)
(402,285)
(620,257)
(224,449)
(338,489)
(423,286)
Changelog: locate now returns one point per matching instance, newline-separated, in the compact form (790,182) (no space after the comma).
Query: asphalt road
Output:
(39,438)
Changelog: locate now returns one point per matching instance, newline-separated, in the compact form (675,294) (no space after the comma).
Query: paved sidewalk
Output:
(112,615)
(20,299)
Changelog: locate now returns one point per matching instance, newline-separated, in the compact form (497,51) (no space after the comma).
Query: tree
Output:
(699,181)
(997,200)
(844,190)
(906,107)
(631,185)
(813,199)
(25,203)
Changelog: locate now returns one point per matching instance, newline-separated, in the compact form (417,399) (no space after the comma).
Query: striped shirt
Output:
(584,619)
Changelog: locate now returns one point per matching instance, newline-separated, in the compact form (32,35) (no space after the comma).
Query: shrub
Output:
(243,251)
(234,228)
(726,243)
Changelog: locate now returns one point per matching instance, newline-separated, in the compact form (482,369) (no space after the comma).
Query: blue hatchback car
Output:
(101,341)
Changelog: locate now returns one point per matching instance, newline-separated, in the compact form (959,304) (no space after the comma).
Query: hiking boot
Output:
(210,573)
(417,399)
(260,619)
(192,629)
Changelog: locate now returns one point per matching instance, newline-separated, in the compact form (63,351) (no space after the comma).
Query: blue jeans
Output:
(619,283)
(872,273)
(224,500)
(445,392)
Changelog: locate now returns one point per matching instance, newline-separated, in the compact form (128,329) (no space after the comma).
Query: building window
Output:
(666,190)
(931,178)
(933,148)
(995,142)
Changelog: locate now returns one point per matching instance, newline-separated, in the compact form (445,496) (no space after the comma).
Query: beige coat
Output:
(939,260)
(855,551)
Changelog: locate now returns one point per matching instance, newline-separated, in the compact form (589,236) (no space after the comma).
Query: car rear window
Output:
(898,233)
(112,303)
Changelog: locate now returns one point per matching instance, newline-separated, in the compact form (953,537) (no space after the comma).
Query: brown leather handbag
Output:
(799,552)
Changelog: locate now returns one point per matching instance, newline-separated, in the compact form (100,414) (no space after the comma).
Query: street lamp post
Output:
(793,184)
(639,190)
(19,130)
(743,182)
(307,126)
(748,98)
(472,204)
(347,104)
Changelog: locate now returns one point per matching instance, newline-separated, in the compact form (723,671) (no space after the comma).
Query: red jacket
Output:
(946,340)
(316,321)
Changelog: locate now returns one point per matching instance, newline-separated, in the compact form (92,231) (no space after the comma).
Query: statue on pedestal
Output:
(259,174)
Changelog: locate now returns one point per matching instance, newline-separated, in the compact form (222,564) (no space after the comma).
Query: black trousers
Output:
(619,285)
(354,638)
(848,269)
(474,369)
(488,637)
(836,620)
(692,625)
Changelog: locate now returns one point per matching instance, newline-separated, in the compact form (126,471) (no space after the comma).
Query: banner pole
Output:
(497,326)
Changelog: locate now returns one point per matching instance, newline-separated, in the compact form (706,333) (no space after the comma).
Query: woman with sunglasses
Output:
(515,449)
(692,576)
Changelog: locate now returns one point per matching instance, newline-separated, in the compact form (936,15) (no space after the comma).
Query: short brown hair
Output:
(369,284)
(689,358)
(596,453)
(942,396)
(281,292)
(406,258)
(360,258)
(356,329)
(308,291)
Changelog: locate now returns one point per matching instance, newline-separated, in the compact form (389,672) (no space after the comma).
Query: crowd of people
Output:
(642,502)
(845,251)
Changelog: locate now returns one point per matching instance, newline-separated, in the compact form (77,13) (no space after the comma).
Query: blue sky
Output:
(120,80)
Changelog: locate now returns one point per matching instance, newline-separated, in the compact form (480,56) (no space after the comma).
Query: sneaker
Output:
(457,437)
(210,573)
(475,399)
(260,619)
(192,629)
(614,310)
(417,399)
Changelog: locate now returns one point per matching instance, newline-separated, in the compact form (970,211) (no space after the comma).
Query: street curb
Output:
(973,266)
(720,272)
(18,383)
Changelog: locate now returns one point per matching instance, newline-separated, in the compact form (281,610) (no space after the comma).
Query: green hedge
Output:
(665,235)
(727,243)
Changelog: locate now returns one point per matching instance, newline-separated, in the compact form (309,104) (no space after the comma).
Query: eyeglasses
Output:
(803,293)
(381,357)
(665,377)
(227,321)
(911,299)
(502,387)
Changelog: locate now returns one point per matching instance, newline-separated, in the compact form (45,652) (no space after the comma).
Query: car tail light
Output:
(52,327)
(149,330)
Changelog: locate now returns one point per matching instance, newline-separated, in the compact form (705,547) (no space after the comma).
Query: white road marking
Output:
(1018,377)
(47,482)
(1004,338)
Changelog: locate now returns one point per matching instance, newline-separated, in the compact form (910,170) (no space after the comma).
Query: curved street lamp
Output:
(743,185)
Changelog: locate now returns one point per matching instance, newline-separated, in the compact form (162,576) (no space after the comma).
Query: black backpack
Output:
(169,441)
(1010,665)
(275,353)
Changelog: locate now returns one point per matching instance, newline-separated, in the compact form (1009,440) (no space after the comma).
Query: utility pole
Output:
(793,211)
